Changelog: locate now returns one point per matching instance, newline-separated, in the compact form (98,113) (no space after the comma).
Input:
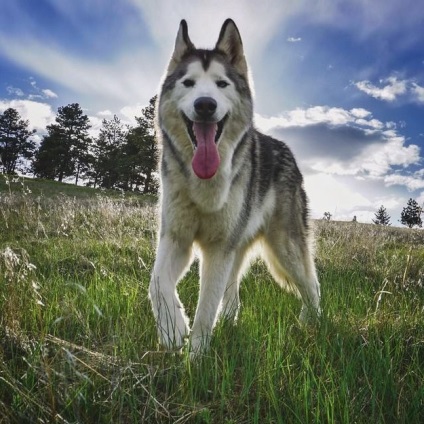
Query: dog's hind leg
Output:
(231,300)
(172,260)
(216,266)
(290,261)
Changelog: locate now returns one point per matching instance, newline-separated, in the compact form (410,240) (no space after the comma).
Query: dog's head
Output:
(205,90)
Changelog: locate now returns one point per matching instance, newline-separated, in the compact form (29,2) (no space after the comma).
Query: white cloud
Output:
(104,113)
(375,159)
(335,141)
(294,40)
(332,116)
(37,138)
(96,125)
(49,93)
(14,91)
(412,182)
(389,202)
(391,89)
(36,92)
(305,117)
(418,92)
(378,159)
(372,123)
(39,114)
(130,112)
(360,112)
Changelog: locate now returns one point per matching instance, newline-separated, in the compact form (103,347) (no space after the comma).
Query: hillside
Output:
(49,188)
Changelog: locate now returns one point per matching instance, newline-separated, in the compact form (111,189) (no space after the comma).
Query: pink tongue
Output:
(206,157)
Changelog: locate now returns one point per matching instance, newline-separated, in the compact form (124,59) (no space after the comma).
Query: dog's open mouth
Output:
(204,136)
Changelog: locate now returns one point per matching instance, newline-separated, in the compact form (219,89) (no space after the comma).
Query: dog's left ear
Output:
(229,42)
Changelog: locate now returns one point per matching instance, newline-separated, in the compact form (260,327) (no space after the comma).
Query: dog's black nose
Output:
(205,107)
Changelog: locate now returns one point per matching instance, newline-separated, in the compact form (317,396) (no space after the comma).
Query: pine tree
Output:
(16,145)
(411,214)
(138,154)
(382,217)
(141,152)
(64,151)
(106,154)
(51,159)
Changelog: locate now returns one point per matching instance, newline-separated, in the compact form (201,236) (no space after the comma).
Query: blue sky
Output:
(341,81)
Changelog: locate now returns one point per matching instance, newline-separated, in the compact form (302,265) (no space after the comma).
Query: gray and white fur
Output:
(229,200)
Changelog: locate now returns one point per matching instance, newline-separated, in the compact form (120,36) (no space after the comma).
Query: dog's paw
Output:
(198,346)
(309,315)
(175,337)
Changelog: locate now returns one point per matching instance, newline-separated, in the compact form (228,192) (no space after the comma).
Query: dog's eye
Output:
(222,84)
(188,83)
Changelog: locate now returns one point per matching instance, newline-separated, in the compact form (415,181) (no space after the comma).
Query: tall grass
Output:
(78,342)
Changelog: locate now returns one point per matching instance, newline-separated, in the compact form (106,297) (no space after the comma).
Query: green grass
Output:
(14,185)
(78,342)
(37,187)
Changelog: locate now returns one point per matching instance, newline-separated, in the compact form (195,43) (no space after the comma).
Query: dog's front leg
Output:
(172,260)
(216,267)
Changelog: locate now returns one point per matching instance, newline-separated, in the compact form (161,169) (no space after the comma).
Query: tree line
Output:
(120,157)
(410,215)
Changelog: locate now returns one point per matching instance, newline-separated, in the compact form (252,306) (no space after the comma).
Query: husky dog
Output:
(225,189)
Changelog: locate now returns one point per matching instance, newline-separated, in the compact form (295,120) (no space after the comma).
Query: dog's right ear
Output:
(183,44)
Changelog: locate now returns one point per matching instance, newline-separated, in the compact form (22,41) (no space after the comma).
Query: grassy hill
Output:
(49,188)
(78,342)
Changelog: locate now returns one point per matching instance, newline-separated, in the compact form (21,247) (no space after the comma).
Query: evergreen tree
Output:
(140,153)
(382,217)
(106,154)
(15,142)
(64,151)
(411,214)
(51,159)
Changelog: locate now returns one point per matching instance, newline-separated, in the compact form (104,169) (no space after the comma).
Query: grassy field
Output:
(78,342)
